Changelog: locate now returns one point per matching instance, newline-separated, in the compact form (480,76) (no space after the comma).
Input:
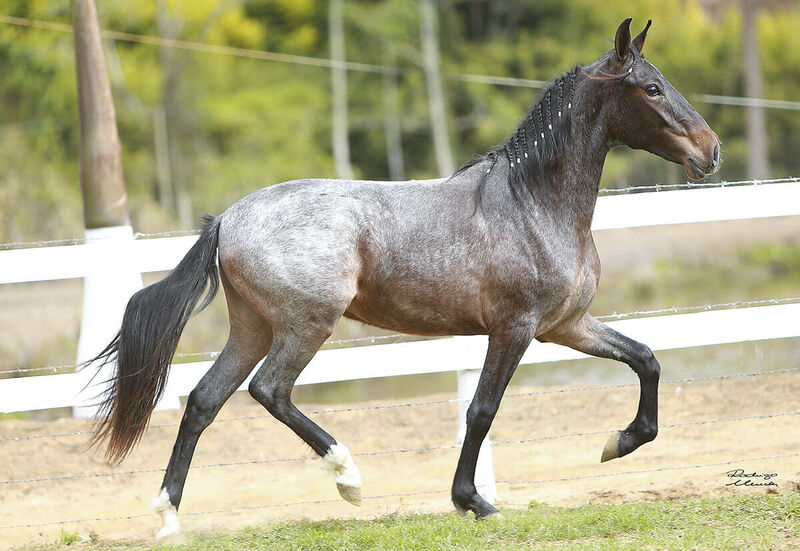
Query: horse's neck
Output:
(573,184)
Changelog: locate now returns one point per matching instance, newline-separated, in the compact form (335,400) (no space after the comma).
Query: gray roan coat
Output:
(503,247)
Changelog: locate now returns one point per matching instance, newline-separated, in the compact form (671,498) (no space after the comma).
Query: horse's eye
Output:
(652,90)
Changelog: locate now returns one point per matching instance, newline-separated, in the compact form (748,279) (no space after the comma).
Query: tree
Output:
(757,161)
(104,198)
(339,136)
(433,79)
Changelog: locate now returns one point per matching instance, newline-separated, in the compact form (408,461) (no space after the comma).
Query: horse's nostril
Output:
(715,155)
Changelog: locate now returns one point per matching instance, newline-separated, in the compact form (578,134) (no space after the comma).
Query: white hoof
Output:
(168,513)
(348,480)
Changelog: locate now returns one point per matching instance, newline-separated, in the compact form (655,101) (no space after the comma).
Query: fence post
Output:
(467,382)
(105,296)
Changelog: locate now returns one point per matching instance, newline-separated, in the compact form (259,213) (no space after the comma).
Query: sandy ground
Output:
(255,488)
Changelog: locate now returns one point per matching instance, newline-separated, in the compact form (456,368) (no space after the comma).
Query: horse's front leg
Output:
(505,350)
(597,339)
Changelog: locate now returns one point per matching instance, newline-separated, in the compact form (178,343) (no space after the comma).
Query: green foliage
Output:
(237,124)
(68,538)
(741,274)
(741,522)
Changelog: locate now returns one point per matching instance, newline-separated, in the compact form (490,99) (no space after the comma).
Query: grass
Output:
(741,522)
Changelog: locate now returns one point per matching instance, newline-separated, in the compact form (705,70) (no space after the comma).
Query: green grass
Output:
(743,522)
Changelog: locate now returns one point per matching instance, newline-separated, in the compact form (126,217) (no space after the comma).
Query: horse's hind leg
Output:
(272,385)
(248,342)
(593,337)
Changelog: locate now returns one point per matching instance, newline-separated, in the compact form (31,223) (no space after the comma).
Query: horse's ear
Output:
(639,40)
(622,42)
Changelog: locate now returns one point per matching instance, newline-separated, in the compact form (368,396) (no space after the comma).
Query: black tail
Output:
(146,342)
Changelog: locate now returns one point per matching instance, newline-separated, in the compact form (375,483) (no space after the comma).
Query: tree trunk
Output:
(108,230)
(163,170)
(102,184)
(161,128)
(391,125)
(339,136)
(757,160)
(171,174)
(433,79)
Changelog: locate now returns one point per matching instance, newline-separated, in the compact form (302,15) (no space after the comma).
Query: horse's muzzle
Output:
(697,169)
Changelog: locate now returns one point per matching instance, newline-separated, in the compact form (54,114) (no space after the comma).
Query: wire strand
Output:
(428,402)
(643,471)
(408,494)
(114,474)
(695,185)
(604,191)
(402,337)
(204,47)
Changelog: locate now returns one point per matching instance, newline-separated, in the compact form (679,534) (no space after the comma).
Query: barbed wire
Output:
(115,474)
(204,47)
(696,185)
(660,427)
(604,191)
(701,308)
(45,243)
(403,337)
(170,233)
(430,402)
(408,494)
(213,354)
(643,471)
(225,511)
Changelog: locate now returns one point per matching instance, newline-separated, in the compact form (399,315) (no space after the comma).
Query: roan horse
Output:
(502,247)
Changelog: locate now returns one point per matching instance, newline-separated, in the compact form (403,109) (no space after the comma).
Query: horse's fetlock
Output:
(462,495)
(649,432)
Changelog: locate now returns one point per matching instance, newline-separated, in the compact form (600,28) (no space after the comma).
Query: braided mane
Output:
(539,139)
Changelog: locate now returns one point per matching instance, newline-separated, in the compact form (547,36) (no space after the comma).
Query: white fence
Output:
(710,202)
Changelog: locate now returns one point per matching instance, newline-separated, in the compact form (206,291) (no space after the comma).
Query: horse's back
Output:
(377,248)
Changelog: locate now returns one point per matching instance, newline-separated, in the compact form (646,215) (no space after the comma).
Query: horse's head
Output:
(646,112)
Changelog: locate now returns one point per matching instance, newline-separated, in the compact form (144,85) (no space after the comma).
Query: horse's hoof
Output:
(348,480)
(168,513)
(485,511)
(496,517)
(168,530)
(350,493)
(611,451)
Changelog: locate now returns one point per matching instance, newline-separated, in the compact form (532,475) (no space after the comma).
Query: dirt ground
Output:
(40,324)
(255,488)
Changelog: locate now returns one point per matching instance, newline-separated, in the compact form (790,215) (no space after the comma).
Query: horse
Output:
(503,248)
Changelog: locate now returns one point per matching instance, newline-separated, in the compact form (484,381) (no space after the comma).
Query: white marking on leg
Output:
(348,480)
(169,515)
